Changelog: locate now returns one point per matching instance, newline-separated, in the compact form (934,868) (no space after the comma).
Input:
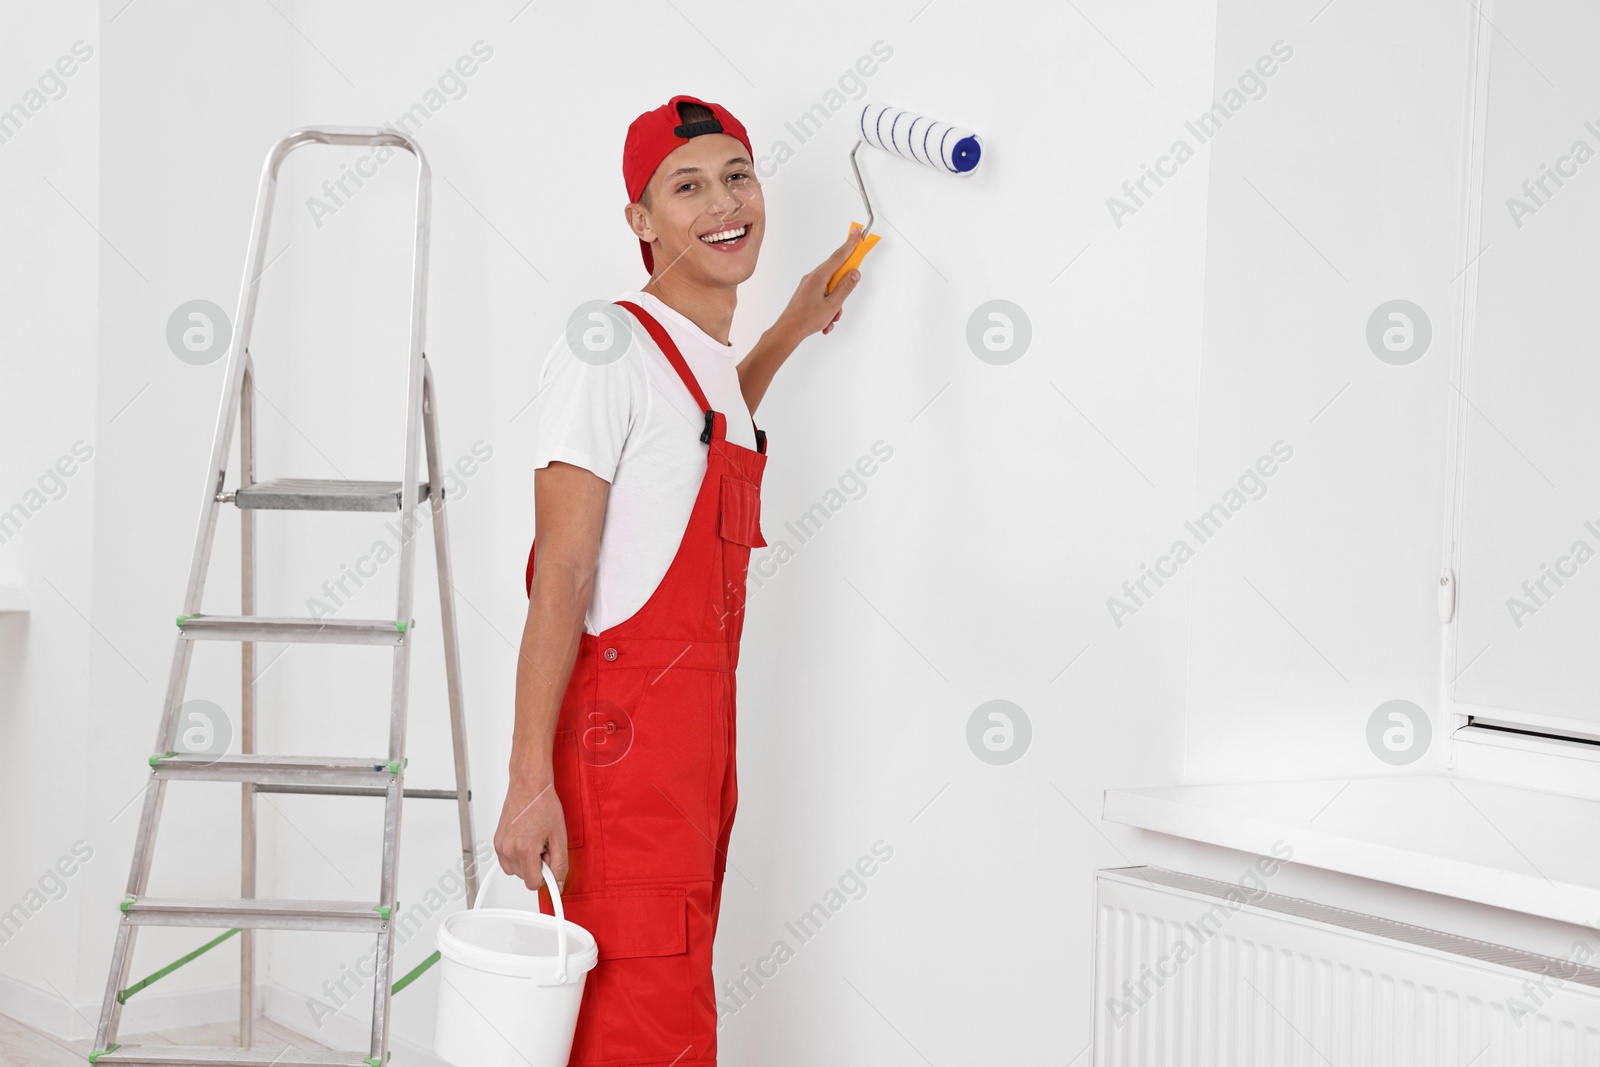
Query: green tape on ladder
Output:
(127,902)
(415,973)
(383,910)
(185,618)
(94,1057)
(122,997)
(157,759)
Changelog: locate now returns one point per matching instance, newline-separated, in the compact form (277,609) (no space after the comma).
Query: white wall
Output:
(50,182)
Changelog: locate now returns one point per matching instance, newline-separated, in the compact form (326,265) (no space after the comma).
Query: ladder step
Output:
(182,1056)
(361,791)
(323,494)
(255,914)
(273,770)
(291,631)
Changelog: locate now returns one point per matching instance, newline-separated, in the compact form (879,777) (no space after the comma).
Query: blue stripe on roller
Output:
(926,158)
(967,152)
(894,141)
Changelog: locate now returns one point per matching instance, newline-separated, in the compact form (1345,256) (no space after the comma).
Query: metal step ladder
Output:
(372,776)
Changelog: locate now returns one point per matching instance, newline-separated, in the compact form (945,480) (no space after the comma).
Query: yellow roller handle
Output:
(857,254)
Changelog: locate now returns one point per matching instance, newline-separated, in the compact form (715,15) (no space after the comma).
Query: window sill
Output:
(1511,847)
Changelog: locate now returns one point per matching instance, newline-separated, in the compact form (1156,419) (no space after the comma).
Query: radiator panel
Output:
(1186,977)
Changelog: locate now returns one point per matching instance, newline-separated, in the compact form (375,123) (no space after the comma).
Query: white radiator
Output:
(1186,977)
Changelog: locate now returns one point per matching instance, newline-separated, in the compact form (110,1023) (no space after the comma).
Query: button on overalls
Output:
(644,768)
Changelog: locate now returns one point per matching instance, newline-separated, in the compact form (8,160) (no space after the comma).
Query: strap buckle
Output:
(705,438)
(761,441)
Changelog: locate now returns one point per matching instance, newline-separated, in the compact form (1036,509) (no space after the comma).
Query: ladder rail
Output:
(447,620)
(414,387)
(143,846)
(409,519)
(247,704)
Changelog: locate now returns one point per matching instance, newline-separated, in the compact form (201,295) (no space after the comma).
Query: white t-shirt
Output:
(632,421)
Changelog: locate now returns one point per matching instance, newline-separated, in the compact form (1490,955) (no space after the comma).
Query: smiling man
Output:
(647,504)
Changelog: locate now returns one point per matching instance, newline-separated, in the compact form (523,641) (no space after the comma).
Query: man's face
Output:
(703,188)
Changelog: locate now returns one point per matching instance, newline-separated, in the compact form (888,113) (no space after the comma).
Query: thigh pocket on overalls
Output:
(642,921)
(739,520)
(564,766)
(640,1001)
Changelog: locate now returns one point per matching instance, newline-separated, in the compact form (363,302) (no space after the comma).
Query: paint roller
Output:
(915,137)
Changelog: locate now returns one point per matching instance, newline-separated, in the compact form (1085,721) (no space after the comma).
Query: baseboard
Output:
(153,1010)
(40,1010)
(150,1010)
(348,1030)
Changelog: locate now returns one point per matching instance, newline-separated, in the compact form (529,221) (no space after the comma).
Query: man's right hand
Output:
(569,504)
(532,827)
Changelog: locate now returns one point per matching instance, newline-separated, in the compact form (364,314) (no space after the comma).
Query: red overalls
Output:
(644,769)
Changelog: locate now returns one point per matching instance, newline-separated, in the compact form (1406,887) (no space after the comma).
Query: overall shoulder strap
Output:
(670,350)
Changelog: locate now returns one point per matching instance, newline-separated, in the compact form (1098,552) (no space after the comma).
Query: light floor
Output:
(23,1046)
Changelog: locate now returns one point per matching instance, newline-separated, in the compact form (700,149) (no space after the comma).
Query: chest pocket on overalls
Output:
(740,507)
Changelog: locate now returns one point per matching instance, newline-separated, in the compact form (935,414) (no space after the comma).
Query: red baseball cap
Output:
(654,135)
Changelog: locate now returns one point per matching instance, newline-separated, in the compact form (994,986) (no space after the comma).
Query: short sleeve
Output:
(586,408)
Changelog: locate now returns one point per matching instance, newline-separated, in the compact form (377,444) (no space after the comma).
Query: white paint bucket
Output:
(510,983)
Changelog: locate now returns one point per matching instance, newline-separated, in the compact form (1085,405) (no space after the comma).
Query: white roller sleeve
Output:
(920,139)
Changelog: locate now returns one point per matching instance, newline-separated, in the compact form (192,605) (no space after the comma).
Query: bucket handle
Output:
(555,899)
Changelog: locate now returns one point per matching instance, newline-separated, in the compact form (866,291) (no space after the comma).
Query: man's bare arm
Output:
(812,308)
(569,508)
